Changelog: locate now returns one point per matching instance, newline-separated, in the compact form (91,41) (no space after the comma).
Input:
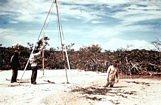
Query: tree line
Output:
(89,58)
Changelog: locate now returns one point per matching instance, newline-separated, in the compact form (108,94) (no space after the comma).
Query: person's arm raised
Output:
(42,48)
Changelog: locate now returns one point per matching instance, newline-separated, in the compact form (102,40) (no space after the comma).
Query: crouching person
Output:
(112,74)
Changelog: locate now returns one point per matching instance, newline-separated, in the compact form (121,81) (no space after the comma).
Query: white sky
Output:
(113,24)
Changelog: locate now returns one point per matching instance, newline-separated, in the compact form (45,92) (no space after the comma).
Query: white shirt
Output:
(33,59)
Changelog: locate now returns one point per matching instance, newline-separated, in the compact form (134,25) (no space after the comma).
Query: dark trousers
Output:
(34,74)
(14,75)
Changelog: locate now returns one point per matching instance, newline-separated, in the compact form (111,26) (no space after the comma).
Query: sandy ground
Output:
(84,88)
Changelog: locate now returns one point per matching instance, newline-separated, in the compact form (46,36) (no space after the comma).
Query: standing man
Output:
(33,61)
(112,73)
(14,61)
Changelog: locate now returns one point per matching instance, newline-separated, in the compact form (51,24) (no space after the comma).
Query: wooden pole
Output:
(35,43)
(43,55)
(61,39)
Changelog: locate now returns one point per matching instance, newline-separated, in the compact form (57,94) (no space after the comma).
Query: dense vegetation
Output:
(89,58)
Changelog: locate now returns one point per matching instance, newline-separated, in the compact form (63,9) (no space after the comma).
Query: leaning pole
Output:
(62,39)
(36,43)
